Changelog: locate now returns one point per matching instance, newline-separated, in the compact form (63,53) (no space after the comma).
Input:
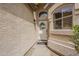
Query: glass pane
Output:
(67,23)
(42,25)
(58,24)
(66,13)
(67,10)
(43,16)
(57,15)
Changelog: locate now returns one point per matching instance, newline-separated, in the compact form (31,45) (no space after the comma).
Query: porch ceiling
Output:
(37,6)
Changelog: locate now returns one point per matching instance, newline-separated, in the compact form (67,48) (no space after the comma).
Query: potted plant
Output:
(76,37)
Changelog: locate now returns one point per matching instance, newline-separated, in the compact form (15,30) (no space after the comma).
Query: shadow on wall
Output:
(16,34)
(18,9)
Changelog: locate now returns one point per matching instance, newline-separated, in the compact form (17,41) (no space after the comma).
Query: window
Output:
(63,17)
(42,25)
(42,15)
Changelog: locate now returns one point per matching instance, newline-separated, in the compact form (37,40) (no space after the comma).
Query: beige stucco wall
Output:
(50,16)
(17,32)
(60,40)
(76,21)
(76,5)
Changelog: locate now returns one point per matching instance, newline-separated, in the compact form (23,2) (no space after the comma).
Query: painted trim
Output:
(63,41)
(57,43)
(77,9)
(46,6)
(60,6)
(62,32)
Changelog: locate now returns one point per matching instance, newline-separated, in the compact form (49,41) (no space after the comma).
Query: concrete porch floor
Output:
(40,50)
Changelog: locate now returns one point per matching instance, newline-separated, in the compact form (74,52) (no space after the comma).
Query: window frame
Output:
(72,15)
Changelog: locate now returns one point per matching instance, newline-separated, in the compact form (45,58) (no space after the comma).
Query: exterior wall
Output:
(76,21)
(64,36)
(77,6)
(17,32)
(57,32)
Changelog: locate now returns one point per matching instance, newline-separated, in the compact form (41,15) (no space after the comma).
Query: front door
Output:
(43,29)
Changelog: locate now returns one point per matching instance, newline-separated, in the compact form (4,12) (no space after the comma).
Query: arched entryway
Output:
(43,25)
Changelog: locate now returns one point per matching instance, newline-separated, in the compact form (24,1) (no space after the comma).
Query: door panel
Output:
(43,28)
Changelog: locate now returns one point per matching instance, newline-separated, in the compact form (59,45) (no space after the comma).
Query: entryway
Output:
(43,31)
(40,50)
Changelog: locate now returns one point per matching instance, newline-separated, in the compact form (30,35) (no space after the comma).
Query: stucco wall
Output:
(53,31)
(76,5)
(60,40)
(50,12)
(17,32)
(76,21)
